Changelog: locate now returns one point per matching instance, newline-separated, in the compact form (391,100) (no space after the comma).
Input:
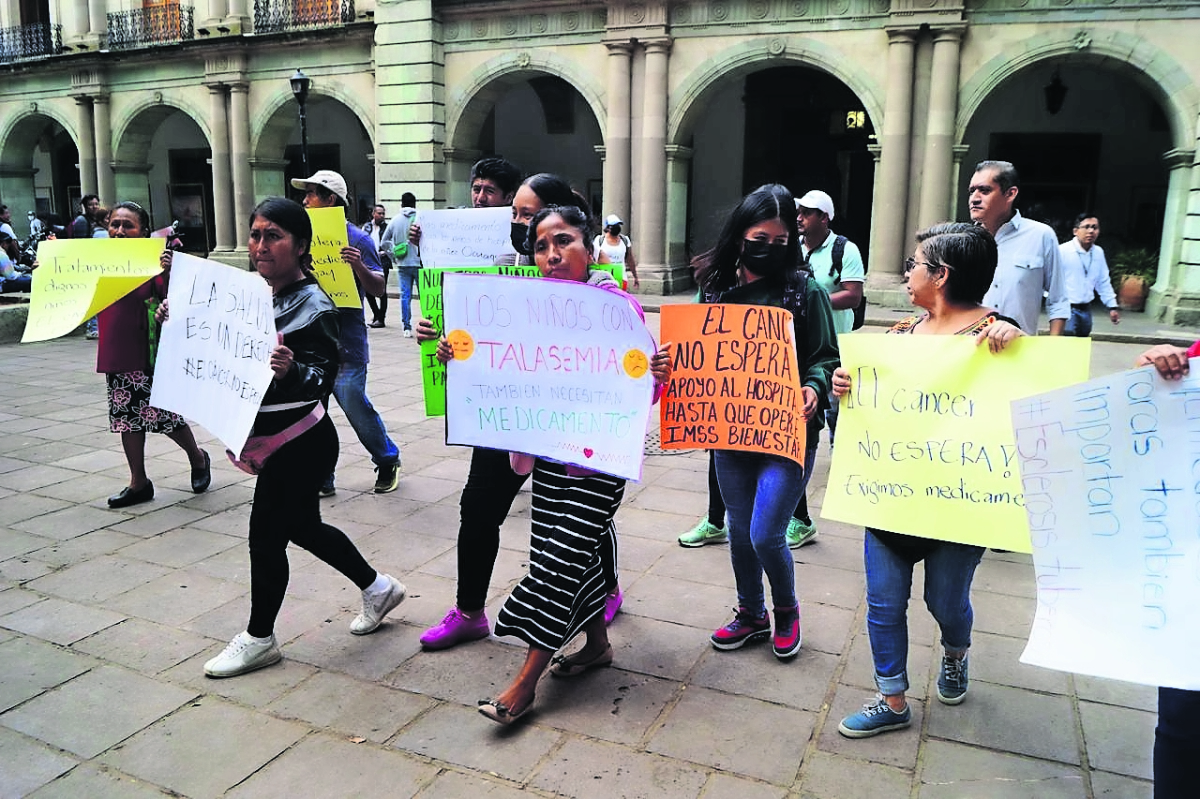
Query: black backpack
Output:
(839,247)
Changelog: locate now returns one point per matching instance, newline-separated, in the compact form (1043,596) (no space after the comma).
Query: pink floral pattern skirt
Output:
(129,408)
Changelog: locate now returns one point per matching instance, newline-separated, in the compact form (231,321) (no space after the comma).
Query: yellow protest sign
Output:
(334,274)
(78,278)
(925,443)
(735,383)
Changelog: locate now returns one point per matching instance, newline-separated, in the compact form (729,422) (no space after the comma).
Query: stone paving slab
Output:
(102,645)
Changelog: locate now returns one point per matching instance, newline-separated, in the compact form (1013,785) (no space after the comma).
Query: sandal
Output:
(571,666)
(500,713)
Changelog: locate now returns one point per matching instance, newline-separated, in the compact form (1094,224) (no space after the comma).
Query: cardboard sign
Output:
(1110,471)
(334,274)
(429,283)
(735,383)
(551,368)
(78,278)
(924,441)
(214,351)
(465,236)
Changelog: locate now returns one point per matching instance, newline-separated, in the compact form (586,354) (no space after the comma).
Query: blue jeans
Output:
(949,570)
(406,275)
(1079,323)
(350,390)
(760,493)
(1176,743)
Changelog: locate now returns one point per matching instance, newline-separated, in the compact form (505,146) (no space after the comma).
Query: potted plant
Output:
(1133,272)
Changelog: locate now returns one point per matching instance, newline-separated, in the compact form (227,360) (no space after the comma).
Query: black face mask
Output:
(616,230)
(519,235)
(763,258)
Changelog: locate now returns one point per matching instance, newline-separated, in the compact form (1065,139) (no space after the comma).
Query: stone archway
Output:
(39,165)
(535,109)
(161,159)
(337,139)
(719,130)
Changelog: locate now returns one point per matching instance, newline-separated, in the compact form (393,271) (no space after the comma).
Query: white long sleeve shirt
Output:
(1029,266)
(1087,274)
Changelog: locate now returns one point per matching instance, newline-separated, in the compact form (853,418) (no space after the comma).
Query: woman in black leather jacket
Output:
(297,445)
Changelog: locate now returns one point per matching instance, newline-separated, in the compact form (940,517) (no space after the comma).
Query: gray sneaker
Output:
(952,680)
(376,606)
(703,533)
(243,654)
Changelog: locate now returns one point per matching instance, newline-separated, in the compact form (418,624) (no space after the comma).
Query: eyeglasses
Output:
(911,263)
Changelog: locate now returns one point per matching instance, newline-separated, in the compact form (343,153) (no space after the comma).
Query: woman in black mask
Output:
(539,191)
(755,263)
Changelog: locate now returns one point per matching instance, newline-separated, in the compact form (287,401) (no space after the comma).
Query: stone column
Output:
(98,18)
(238,19)
(1175,296)
(87,149)
(617,177)
(888,225)
(78,22)
(239,156)
(940,127)
(459,161)
(651,221)
(678,273)
(217,11)
(222,190)
(106,185)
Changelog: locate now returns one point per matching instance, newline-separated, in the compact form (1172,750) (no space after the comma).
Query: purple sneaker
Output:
(612,605)
(455,629)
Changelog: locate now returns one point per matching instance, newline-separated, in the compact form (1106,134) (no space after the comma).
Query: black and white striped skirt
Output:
(565,587)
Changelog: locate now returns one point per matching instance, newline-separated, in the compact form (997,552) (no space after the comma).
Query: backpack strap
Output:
(835,268)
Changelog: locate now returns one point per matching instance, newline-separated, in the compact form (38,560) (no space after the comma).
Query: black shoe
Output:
(201,478)
(376,323)
(129,496)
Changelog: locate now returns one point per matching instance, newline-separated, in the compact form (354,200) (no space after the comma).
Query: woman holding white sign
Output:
(755,263)
(294,445)
(125,355)
(949,273)
(565,591)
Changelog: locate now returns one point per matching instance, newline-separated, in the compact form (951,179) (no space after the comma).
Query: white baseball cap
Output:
(612,219)
(818,200)
(327,178)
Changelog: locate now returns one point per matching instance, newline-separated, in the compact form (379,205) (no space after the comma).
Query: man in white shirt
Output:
(1029,263)
(1086,273)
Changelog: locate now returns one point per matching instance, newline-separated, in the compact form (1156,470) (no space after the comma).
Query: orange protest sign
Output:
(735,382)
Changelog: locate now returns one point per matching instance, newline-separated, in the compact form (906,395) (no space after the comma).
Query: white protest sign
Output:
(213,353)
(1111,477)
(464,236)
(551,368)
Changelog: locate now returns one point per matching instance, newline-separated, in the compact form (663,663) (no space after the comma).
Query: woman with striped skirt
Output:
(564,592)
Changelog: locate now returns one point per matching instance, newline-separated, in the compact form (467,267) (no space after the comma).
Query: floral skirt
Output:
(129,408)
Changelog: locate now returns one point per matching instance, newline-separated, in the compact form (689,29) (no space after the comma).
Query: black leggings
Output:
(486,499)
(286,509)
(379,304)
(716,504)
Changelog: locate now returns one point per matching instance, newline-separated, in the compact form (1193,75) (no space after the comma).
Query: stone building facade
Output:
(663,112)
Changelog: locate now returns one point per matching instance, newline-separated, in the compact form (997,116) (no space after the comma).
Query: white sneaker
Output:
(407,332)
(243,654)
(376,606)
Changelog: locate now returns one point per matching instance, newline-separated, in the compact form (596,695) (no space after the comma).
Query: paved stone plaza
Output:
(106,618)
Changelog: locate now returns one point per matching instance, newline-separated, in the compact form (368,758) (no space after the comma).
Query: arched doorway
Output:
(162,160)
(795,125)
(39,171)
(538,121)
(337,140)
(1084,136)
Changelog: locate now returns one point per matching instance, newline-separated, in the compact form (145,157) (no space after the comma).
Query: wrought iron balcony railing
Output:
(277,16)
(30,41)
(168,23)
